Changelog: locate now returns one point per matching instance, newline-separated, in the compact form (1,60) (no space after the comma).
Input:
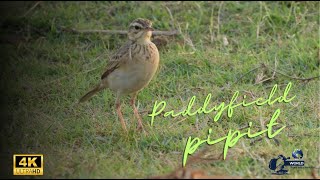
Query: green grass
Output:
(48,70)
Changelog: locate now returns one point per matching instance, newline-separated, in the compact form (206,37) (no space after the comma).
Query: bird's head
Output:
(140,30)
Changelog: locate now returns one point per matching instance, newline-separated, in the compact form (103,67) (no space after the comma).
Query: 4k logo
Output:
(28,164)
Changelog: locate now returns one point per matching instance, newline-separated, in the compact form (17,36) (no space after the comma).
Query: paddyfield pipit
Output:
(131,68)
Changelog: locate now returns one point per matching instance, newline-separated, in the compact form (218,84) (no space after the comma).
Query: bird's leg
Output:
(135,110)
(118,107)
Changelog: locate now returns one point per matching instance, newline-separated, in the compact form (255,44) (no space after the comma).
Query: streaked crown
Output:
(140,23)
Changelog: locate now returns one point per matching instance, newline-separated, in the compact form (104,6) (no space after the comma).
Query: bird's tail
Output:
(91,93)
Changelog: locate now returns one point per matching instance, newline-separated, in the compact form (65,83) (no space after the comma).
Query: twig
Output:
(34,6)
(275,67)
(263,81)
(259,23)
(211,26)
(219,12)
(274,72)
(171,17)
(273,75)
(121,32)
(263,126)
(297,78)
(252,155)
(179,31)
(177,122)
(246,74)
(255,140)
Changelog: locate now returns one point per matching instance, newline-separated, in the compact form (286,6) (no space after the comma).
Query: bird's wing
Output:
(120,57)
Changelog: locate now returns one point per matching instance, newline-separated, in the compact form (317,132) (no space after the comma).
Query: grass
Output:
(47,70)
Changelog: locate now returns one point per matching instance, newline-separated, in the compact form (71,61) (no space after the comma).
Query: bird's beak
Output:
(149,29)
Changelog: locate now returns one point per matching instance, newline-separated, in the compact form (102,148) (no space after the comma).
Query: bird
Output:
(131,68)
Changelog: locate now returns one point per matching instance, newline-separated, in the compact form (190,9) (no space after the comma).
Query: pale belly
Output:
(132,77)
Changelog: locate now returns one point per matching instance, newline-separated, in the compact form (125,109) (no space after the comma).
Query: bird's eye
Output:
(137,27)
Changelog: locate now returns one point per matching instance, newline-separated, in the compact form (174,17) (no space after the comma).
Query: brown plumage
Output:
(131,68)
